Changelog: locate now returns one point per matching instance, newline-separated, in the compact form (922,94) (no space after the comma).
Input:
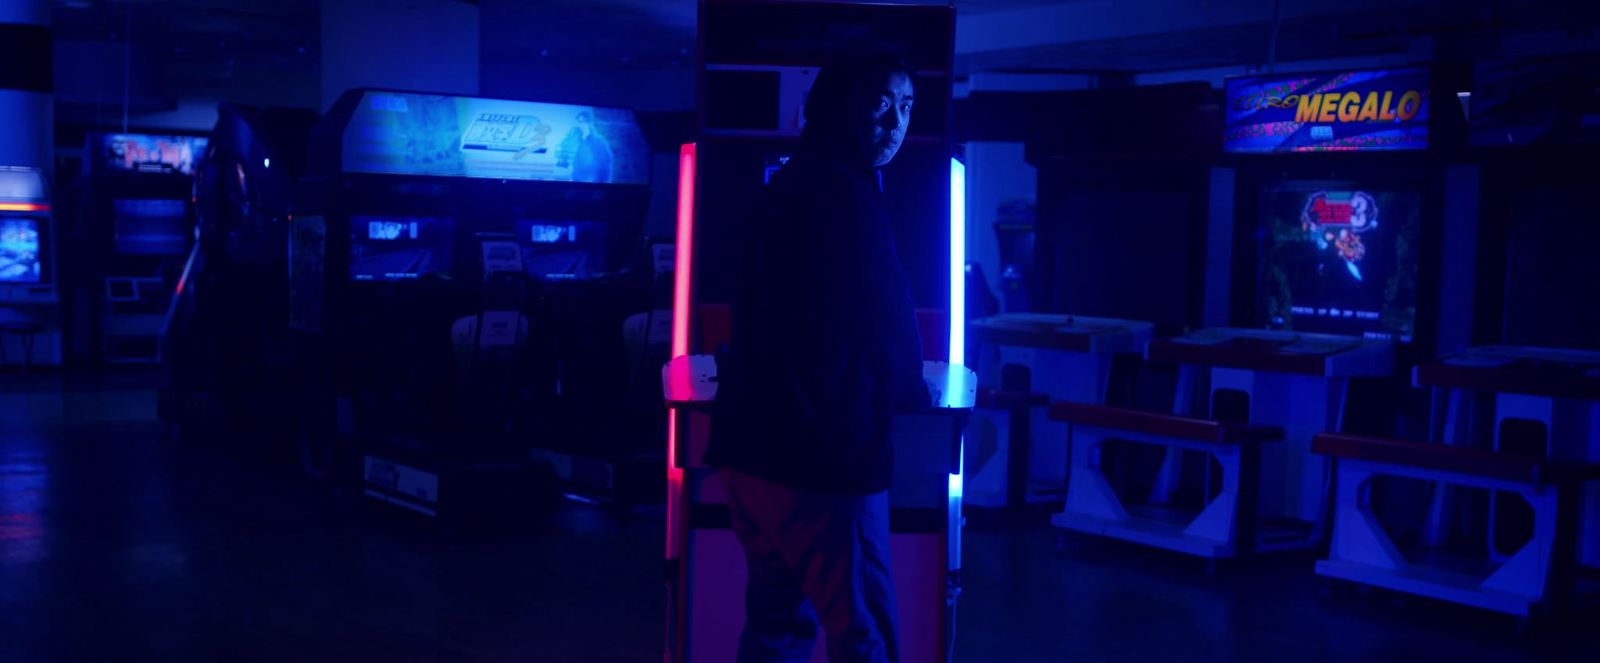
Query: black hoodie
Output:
(824,347)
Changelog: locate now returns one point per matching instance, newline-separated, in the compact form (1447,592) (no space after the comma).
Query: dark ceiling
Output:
(1464,30)
(217,38)
(243,46)
(202,38)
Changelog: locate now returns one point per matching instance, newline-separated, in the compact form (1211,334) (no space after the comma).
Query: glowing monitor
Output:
(399,248)
(1340,258)
(563,250)
(19,251)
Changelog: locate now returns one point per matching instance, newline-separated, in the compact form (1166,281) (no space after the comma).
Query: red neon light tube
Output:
(23,207)
(683,265)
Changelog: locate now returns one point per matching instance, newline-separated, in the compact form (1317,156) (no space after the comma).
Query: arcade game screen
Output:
(563,250)
(152,227)
(394,248)
(1340,259)
(19,251)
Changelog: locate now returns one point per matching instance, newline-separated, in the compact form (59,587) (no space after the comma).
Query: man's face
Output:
(890,113)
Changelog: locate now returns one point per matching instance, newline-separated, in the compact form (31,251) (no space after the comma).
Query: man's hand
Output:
(933,392)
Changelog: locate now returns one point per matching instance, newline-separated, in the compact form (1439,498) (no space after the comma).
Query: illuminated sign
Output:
(407,133)
(1351,111)
(151,154)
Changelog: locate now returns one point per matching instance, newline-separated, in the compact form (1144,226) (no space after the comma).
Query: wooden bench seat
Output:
(1518,468)
(1164,425)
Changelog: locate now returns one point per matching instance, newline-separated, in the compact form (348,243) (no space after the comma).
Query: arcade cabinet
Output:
(138,208)
(1536,379)
(224,347)
(434,251)
(30,312)
(599,420)
(1335,253)
(757,61)
(1513,521)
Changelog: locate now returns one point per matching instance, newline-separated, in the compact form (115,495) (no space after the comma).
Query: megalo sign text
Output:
(1348,106)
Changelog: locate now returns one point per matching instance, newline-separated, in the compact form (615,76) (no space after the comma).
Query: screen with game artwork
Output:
(1340,258)
(428,134)
(1353,111)
(152,226)
(563,250)
(397,248)
(19,251)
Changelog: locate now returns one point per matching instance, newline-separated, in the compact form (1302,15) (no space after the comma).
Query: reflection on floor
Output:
(116,544)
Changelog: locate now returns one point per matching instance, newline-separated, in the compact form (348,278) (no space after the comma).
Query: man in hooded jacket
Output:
(824,350)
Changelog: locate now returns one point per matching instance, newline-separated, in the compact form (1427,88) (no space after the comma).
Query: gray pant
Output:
(813,556)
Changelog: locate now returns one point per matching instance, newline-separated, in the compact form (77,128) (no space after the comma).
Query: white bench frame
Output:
(1093,507)
(1362,551)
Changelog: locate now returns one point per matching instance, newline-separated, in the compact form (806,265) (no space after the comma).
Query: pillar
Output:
(27,132)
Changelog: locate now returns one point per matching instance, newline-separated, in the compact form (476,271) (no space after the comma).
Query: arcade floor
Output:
(118,545)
